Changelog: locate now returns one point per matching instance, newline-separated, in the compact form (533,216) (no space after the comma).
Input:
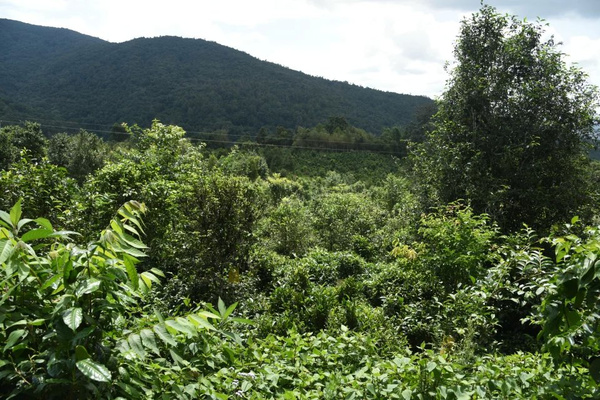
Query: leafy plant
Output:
(71,318)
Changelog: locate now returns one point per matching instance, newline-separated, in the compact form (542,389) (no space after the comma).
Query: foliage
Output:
(350,366)
(80,154)
(211,233)
(200,85)
(358,288)
(288,228)
(244,163)
(569,310)
(458,244)
(16,138)
(513,126)
(44,188)
(72,321)
(341,216)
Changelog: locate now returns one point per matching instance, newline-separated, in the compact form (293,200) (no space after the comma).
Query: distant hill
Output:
(59,74)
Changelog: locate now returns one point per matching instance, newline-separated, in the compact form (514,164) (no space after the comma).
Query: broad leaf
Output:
(94,370)
(15,213)
(149,341)
(164,335)
(200,322)
(88,286)
(222,308)
(81,353)
(44,223)
(6,250)
(14,337)
(35,234)
(135,342)
(5,217)
(131,271)
(181,325)
(208,314)
(73,317)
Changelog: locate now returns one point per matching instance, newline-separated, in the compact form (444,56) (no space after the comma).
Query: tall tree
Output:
(513,125)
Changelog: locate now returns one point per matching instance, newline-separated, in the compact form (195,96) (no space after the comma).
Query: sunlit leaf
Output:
(149,341)
(135,341)
(94,370)
(36,234)
(73,317)
(164,335)
(15,213)
(6,250)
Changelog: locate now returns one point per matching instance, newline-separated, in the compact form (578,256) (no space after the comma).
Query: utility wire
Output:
(78,126)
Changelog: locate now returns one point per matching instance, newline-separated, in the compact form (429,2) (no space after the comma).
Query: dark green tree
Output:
(513,126)
(30,137)
(59,149)
(8,152)
(88,153)
(81,154)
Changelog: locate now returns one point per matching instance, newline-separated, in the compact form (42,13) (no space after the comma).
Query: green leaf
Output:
(88,286)
(23,271)
(81,353)
(44,223)
(130,240)
(131,271)
(148,277)
(23,222)
(36,234)
(177,358)
(431,365)
(222,308)
(164,335)
(229,310)
(135,341)
(181,325)
(14,336)
(15,213)
(407,394)
(6,218)
(51,281)
(200,322)
(6,250)
(157,272)
(570,288)
(149,341)
(73,318)
(93,370)
(208,314)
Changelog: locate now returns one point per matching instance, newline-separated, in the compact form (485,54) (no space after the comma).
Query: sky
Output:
(392,45)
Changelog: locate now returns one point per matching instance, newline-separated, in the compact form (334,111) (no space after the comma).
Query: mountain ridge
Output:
(58,73)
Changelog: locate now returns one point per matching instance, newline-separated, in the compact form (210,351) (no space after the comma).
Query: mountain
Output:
(61,75)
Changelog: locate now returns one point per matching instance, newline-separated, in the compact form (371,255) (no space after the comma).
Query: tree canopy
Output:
(513,124)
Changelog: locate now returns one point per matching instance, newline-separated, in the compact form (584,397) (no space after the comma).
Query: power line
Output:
(225,142)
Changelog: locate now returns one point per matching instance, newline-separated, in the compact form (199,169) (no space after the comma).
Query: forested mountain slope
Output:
(63,75)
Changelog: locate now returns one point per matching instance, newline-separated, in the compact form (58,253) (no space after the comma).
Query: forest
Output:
(455,257)
(61,75)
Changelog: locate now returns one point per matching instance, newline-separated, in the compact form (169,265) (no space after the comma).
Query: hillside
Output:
(60,74)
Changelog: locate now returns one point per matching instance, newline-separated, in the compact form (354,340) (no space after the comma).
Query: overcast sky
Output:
(393,45)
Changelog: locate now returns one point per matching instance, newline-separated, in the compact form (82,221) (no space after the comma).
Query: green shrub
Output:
(73,323)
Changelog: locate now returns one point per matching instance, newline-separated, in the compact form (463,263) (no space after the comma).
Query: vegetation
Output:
(158,267)
(514,126)
(60,75)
